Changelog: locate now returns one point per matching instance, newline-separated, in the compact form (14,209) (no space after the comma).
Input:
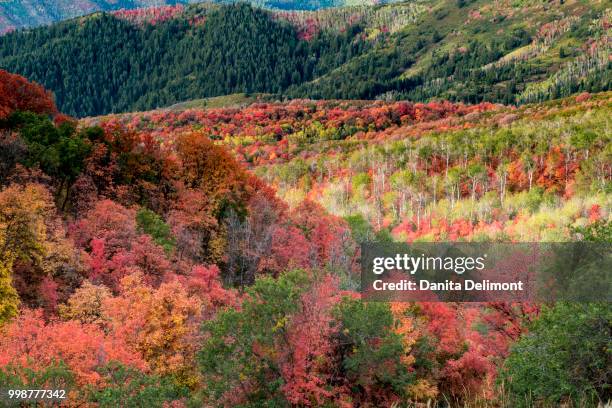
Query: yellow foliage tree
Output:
(9,300)
(85,305)
(23,211)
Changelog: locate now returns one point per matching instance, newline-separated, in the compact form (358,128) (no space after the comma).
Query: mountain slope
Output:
(103,63)
(417,50)
(510,52)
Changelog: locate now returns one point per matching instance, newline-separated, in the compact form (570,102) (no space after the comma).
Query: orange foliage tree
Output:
(162,324)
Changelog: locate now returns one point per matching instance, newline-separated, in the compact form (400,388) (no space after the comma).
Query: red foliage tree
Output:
(107,221)
(329,236)
(307,358)
(204,282)
(114,249)
(191,222)
(30,342)
(17,93)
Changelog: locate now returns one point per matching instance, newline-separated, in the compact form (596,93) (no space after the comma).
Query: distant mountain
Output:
(472,51)
(15,14)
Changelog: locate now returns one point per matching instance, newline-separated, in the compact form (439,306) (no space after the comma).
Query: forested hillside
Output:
(105,63)
(147,258)
(430,171)
(468,51)
(472,51)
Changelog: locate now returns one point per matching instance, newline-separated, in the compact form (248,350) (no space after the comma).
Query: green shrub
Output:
(565,357)
(152,224)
